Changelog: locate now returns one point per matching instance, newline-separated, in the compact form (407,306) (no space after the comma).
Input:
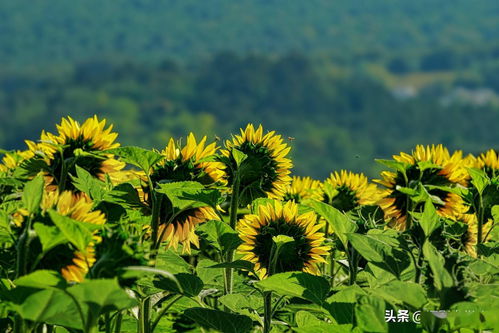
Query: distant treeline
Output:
(332,117)
(53,32)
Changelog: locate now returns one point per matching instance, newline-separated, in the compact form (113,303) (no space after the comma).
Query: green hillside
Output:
(35,32)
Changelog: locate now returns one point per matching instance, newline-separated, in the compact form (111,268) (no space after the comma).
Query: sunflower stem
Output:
(480,225)
(63,175)
(234,205)
(331,266)
(144,316)
(163,311)
(23,249)
(117,324)
(352,266)
(267,311)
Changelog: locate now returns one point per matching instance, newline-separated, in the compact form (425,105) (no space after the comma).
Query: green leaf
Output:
(297,284)
(340,223)
(33,193)
(51,306)
(382,249)
(78,233)
(144,270)
(370,314)
(397,292)
(210,276)
(324,327)
(140,157)
(85,182)
(170,261)
(341,304)
(189,194)
(125,195)
(101,296)
(495,213)
(248,305)
(394,165)
(49,236)
(220,235)
(5,231)
(465,315)
(308,323)
(239,156)
(42,279)
(305,318)
(190,285)
(429,219)
(483,267)
(479,179)
(10,182)
(441,277)
(407,190)
(219,320)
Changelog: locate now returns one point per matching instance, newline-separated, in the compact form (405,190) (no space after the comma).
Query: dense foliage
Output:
(96,237)
(65,32)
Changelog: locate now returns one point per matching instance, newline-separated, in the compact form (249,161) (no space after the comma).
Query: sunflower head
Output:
(12,160)
(431,169)
(302,253)
(81,145)
(302,188)
(488,162)
(182,229)
(194,161)
(470,237)
(265,169)
(76,206)
(346,190)
(73,264)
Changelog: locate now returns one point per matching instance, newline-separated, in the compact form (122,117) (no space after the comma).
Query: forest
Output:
(347,116)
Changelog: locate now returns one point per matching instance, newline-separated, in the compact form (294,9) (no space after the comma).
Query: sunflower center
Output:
(292,256)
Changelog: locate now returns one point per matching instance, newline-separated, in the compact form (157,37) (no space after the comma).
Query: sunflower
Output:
(275,219)
(182,229)
(80,145)
(347,190)
(488,162)
(265,170)
(302,188)
(79,208)
(193,162)
(470,238)
(11,160)
(431,167)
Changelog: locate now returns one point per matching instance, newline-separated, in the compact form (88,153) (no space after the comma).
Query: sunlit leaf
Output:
(370,314)
(339,222)
(140,157)
(441,277)
(429,219)
(297,284)
(33,193)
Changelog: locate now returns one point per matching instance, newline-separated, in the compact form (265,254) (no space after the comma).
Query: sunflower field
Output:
(220,236)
